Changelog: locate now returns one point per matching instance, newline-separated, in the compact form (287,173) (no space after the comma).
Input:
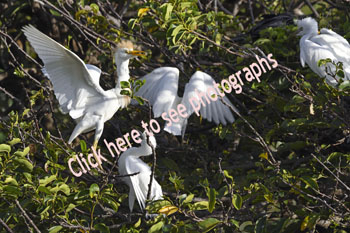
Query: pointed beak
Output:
(137,53)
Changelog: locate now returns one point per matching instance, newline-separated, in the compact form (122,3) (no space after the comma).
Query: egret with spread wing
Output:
(160,89)
(315,46)
(129,163)
(76,84)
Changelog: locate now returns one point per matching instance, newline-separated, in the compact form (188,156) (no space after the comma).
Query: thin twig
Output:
(5,226)
(308,3)
(261,140)
(26,216)
(337,178)
(12,97)
(154,160)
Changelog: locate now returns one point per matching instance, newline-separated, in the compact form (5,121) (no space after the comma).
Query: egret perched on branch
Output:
(326,44)
(76,84)
(161,88)
(129,163)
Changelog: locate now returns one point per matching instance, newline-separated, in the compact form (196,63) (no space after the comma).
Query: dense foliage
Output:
(282,166)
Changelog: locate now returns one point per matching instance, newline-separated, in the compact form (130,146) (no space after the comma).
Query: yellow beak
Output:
(137,53)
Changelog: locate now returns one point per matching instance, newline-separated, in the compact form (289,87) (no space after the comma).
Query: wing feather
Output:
(160,89)
(216,110)
(75,84)
(313,52)
(132,166)
(334,43)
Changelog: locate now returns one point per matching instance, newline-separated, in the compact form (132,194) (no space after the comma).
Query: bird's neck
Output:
(311,31)
(146,149)
(122,71)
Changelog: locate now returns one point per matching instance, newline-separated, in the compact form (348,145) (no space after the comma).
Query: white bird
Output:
(326,44)
(129,163)
(76,84)
(161,87)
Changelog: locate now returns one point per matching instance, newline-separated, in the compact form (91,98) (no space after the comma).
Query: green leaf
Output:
(43,189)
(212,199)
(138,223)
(102,228)
(55,229)
(93,189)
(188,199)
(5,147)
(244,225)
(237,201)
(310,182)
(94,8)
(156,227)
(55,13)
(139,100)
(177,30)
(12,190)
(110,201)
(83,146)
(125,84)
(24,163)
(201,205)
(14,141)
(228,175)
(63,188)
(125,92)
(208,224)
(70,207)
(47,180)
(167,9)
(22,153)
(11,180)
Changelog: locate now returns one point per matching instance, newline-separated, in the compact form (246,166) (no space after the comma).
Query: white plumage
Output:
(129,163)
(76,84)
(161,89)
(327,44)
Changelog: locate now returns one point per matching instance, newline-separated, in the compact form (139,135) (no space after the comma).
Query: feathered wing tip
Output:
(174,129)
(307,25)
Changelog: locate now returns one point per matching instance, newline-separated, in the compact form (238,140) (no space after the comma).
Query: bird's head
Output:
(125,50)
(307,26)
(152,139)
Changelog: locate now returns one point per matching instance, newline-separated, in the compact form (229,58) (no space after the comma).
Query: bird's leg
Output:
(97,160)
(183,130)
(98,133)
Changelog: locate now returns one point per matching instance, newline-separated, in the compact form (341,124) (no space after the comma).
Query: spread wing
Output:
(160,89)
(75,84)
(215,110)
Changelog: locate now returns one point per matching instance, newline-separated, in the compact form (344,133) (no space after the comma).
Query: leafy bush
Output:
(282,166)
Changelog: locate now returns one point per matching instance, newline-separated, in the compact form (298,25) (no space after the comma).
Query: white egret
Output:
(76,84)
(129,163)
(161,88)
(326,44)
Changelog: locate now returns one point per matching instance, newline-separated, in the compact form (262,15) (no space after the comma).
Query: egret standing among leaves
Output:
(161,88)
(76,84)
(315,46)
(129,163)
